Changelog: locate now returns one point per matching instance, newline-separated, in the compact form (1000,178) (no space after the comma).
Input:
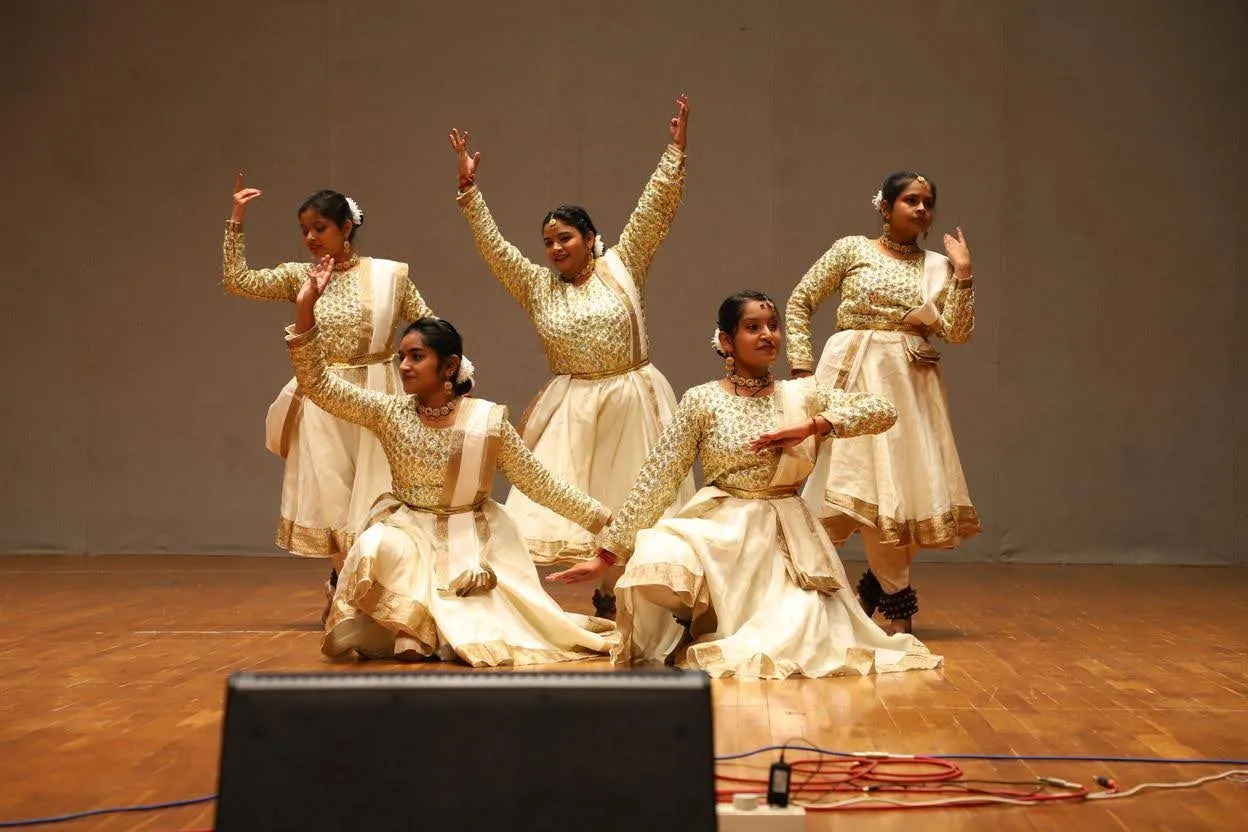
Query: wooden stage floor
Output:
(112,673)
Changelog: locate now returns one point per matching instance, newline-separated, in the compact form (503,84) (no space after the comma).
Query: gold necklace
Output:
(741,381)
(437,412)
(900,248)
(350,263)
(583,274)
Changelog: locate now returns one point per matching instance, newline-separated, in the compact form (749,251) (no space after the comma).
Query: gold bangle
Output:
(234,225)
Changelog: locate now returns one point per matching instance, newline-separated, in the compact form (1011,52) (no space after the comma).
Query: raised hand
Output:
(467,164)
(242,196)
(959,253)
(587,571)
(680,124)
(785,437)
(310,292)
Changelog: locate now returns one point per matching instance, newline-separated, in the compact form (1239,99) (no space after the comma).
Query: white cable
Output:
(1186,784)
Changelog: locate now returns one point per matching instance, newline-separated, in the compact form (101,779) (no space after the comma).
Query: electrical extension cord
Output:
(748,813)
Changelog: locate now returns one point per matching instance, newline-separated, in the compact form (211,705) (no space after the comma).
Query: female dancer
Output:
(755,582)
(440,570)
(334,470)
(905,489)
(595,421)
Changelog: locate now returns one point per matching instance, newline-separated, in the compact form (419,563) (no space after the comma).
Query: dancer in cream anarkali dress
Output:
(594,422)
(903,490)
(441,569)
(743,574)
(334,470)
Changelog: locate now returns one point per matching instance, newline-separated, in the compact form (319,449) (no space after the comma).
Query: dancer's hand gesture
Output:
(241,197)
(959,254)
(786,437)
(591,569)
(310,292)
(467,164)
(680,124)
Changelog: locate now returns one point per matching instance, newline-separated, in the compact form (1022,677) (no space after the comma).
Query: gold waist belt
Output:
(778,492)
(889,326)
(363,360)
(607,373)
(440,511)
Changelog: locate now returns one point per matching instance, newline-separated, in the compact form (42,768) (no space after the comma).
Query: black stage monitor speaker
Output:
(603,751)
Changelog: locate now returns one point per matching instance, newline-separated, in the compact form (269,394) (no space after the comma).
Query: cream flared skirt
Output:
(388,603)
(906,482)
(720,580)
(593,434)
(334,472)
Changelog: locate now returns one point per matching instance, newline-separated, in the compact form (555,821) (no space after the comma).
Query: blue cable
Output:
(173,804)
(1008,757)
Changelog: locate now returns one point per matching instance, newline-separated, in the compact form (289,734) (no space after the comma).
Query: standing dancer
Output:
(903,490)
(595,421)
(334,469)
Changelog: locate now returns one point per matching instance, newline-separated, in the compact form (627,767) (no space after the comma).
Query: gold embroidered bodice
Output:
(876,292)
(343,313)
(419,455)
(586,328)
(719,426)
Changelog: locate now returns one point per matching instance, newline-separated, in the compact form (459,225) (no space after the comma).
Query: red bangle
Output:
(465,184)
(607,558)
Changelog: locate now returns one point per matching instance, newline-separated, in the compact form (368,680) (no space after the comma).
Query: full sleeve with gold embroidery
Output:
(658,483)
(524,471)
(412,306)
(279,283)
(818,284)
(654,214)
(957,311)
(335,396)
(854,414)
(512,268)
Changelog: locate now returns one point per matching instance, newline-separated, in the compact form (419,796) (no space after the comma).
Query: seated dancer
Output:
(743,575)
(594,422)
(441,571)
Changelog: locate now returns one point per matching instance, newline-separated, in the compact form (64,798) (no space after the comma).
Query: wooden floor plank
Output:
(112,671)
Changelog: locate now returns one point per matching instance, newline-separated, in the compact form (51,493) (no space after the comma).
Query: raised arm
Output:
(854,414)
(656,210)
(818,284)
(280,283)
(335,396)
(412,306)
(515,271)
(957,302)
(524,471)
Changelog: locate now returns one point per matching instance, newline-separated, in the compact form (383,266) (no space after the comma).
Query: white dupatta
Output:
(379,306)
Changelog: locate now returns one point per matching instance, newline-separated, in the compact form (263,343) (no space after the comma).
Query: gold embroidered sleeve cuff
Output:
(963,282)
(299,339)
(235,226)
(622,553)
(465,197)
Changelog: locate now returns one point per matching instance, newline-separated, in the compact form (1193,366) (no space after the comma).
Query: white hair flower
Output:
(715,345)
(877,200)
(598,246)
(357,216)
(465,371)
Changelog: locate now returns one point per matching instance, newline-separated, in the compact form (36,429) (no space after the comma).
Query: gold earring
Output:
(448,387)
(346,246)
(730,365)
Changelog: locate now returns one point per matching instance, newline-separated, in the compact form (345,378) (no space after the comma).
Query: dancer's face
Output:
(567,249)
(418,367)
(321,236)
(756,343)
(912,212)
